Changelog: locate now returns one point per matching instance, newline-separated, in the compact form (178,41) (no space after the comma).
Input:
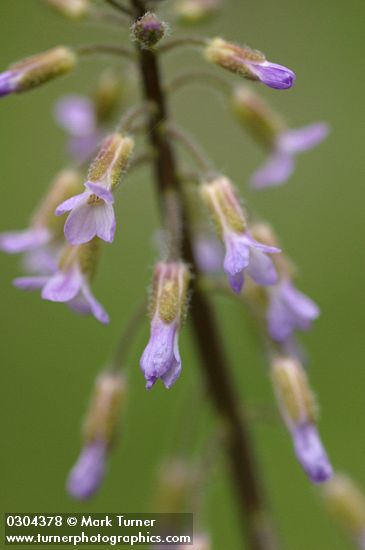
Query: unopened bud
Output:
(251,64)
(255,114)
(148,30)
(220,197)
(72,9)
(192,12)
(346,502)
(108,94)
(291,386)
(36,70)
(112,161)
(102,418)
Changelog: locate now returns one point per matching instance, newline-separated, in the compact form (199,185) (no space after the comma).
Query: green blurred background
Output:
(50,357)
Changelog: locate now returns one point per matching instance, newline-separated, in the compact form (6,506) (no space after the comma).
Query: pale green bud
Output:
(192,12)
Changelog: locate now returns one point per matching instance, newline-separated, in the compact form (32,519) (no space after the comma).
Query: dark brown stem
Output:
(208,339)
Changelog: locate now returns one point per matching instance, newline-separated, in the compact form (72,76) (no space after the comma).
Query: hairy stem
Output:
(208,339)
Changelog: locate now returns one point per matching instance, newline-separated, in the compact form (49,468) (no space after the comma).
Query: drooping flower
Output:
(243,252)
(299,412)
(70,283)
(88,473)
(92,212)
(289,310)
(36,70)
(100,429)
(161,357)
(271,131)
(44,226)
(251,64)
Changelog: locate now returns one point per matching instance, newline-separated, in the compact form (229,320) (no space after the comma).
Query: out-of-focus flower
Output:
(36,70)
(192,12)
(70,283)
(250,64)
(72,9)
(92,212)
(99,433)
(76,114)
(161,357)
(346,502)
(243,252)
(298,409)
(44,226)
(282,143)
(289,310)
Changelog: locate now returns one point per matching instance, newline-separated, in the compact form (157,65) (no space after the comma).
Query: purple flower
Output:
(289,310)
(273,75)
(311,454)
(37,69)
(92,214)
(67,284)
(76,114)
(286,145)
(15,242)
(244,253)
(161,358)
(251,64)
(209,254)
(87,475)
(8,82)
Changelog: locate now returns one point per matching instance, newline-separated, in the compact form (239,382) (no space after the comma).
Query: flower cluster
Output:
(61,246)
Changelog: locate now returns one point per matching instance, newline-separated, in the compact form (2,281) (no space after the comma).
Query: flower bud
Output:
(108,94)
(148,30)
(161,358)
(299,412)
(255,114)
(72,9)
(34,71)
(102,418)
(346,503)
(251,64)
(192,12)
